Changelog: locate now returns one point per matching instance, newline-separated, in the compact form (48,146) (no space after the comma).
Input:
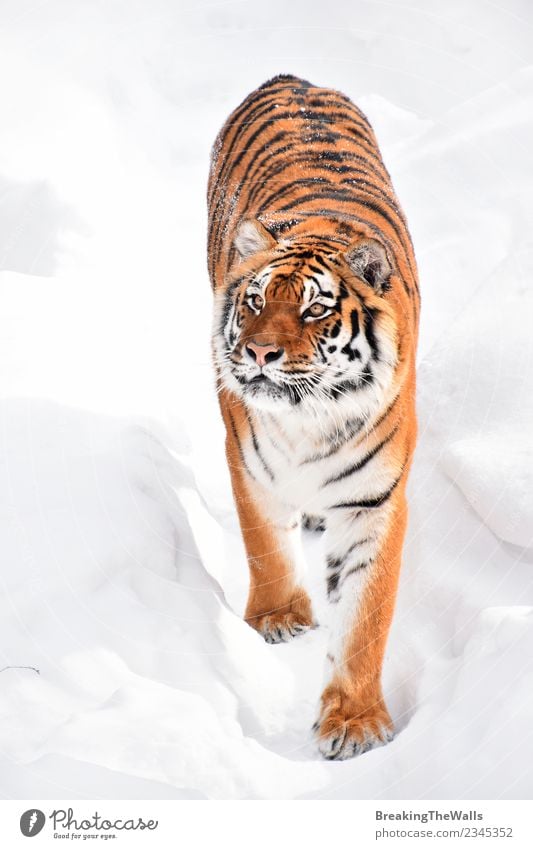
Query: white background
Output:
(123,575)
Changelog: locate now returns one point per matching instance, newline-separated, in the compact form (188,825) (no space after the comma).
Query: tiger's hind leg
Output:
(362,567)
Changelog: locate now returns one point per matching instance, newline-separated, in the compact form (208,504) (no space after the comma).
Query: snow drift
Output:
(128,669)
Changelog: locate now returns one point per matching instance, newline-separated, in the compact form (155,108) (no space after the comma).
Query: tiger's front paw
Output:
(345,728)
(280,628)
(285,622)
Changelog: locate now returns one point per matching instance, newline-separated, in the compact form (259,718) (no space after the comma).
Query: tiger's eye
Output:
(256,301)
(316,310)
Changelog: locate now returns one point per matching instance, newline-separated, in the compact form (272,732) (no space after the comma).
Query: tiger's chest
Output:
(307,470)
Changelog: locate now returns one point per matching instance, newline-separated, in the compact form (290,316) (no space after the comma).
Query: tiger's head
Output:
(303,321)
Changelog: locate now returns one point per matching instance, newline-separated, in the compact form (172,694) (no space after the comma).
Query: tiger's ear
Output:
(251,238)
(368,259)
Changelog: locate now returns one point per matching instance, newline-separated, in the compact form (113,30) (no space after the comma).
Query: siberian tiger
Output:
(315,329)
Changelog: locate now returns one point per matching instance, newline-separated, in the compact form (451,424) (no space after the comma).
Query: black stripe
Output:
(321,261)
(320,349)
(333,582)
(276,446)
(223,162)
(325,293)
(336,566)
(261,99)
(347,350)
(239,446)
(226,165)
(257,449)
(377,191)
(356,137)
(336,329)
(356,195)
(354,119)
(370,314)
(353,426)
(350,156)
(283,135)
(354,201)
(356,467)
(228,303)
(286,258)
(275,423)
(308,161)
(386,413)
(287,187)
(369,503)
(366,378)
(307,158)
(352,548)
(259,176)
(336,579)
(224,176)
(218,232)
(353,197)
(342,103)
(332,117)
(353,570)
(283,116)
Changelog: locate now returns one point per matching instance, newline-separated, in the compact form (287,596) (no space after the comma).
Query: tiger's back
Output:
(292,152)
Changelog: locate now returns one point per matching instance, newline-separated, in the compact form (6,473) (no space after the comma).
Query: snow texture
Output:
(123,573)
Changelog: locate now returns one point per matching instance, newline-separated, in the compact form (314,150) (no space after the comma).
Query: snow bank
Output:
(495,473)
(122,568)
(141,666)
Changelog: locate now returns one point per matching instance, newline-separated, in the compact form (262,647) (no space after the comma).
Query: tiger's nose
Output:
(263,354)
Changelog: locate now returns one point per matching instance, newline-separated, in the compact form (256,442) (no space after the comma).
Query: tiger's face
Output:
(301,323)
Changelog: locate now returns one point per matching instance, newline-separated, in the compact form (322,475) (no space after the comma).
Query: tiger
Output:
(316,306)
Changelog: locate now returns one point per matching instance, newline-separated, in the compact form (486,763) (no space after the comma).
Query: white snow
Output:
(123,573)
